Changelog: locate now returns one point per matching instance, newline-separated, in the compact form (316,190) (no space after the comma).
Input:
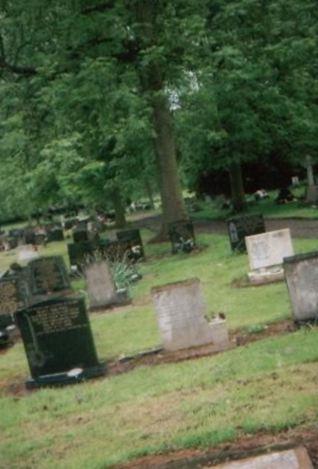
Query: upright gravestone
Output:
(29,236)
(81,253)
(55,233)
(241,226)
(102,292)
(132,242)
(58,342)
(181,318)
(266,252)
(181,234)
(301,274)
(48,275)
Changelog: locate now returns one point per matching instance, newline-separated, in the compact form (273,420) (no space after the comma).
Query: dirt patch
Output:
(246,446)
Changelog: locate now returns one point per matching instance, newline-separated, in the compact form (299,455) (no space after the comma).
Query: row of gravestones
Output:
(33,235)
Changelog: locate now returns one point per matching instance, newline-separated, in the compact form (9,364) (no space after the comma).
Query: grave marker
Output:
(102,292)
(58,342)
(48,275)
(181,318)
(132,241)
(241,226)
(181,234)
(301,274)
(266,252)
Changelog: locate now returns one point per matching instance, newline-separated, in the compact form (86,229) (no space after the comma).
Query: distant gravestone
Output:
(114,251)
(266,252)
(58,342)
(48,275)
(55,233)
(101,288)
(301,273)
(181,234)
(80,234)
(241,226)
(29,236)
(133,244)
(181,318)
(80,253)
(290,459)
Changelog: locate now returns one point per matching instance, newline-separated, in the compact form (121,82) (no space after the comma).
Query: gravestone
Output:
(80,235)
(241,226)
(55,232)
(40,237)
(301,274)
(101,288)
(48,275)
(114,251)
(80,253)
(58,342)
(266,252)
(181,234)
(297,458)
(132,241)
(29,236)
(181,318)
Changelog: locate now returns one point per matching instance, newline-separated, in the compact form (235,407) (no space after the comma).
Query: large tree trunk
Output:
(237,187)
(173,208)
(119,208)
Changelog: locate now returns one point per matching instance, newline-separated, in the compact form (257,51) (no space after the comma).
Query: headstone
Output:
(48,275)
(290,459)
(80,253)
(40,238)
(295,181)
(301,274)
(266,252)
(133,244)
(80,235)
(241,226)
(101,288)
(58,342)
(29,236)
(113,251)
(181,234)
(55,234)
(181,318)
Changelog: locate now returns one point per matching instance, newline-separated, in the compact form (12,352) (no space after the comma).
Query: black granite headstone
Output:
(131,239)
(181,234)
(58,342)
(48,275)
(241,226)
(79,253)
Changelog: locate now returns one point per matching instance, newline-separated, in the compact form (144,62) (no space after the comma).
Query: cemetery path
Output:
(299,227)
(244,447)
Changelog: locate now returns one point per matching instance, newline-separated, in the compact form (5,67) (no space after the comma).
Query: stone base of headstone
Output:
(75,376)
(297,458)
(301,273)
(266,275)
(312,195)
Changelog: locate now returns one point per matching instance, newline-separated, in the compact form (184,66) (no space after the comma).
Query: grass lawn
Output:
(269,385)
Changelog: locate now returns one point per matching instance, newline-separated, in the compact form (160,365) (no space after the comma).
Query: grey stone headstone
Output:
(269,249)
(301,274)
(101,287)
(181,318)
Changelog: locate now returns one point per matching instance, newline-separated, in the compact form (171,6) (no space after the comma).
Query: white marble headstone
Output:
(269,249)
(180,312)
(100,285)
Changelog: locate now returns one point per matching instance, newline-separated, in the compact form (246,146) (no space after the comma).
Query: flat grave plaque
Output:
(240,227)
(48,275)
(58,342)
(181,234)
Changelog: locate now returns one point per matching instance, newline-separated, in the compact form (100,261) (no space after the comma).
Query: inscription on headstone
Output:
(181,234)
(301,274)
(240,227)
(58,342)
(181,318)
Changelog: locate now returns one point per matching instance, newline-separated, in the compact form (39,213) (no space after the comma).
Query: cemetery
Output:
(158,234)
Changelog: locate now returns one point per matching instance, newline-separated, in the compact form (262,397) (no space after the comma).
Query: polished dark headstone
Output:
(241,226)
(48,275)
(58,342)
(81,253)
(132,242)
(181,234)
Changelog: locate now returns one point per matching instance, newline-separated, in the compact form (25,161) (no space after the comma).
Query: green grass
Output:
(269,385)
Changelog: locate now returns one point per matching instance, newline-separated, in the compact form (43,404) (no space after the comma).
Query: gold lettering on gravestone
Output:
(8,298)
(56,318)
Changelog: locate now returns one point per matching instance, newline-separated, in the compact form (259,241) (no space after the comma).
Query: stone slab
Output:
(291,459)
(269,249)
(181,318)
(48,275)
(301,274)
(265,276)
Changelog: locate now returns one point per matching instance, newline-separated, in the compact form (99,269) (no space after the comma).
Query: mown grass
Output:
(269,385)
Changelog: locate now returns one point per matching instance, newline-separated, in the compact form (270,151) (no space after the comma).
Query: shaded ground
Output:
(245,447)
(300,228)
